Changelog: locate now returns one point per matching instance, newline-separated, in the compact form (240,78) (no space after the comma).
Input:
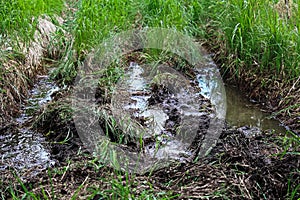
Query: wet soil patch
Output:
(275,94)
(237,168)
(161,95)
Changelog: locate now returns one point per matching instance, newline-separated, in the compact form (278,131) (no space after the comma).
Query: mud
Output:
(242,165)
(237,168)
(21,147)
(162,107)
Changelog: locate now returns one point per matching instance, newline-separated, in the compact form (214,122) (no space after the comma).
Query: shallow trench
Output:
(22,148)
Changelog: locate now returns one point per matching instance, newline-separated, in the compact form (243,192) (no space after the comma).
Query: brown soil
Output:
(237,168)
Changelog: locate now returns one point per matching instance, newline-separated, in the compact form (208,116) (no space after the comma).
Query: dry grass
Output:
(20,67)
(238,168)
(286,8)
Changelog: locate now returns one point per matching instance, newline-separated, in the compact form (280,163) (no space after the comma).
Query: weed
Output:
(291,144)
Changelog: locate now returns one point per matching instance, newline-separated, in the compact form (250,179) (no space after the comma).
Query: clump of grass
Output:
(96,20)
(257,36)
(24,37)
(124,187)
(21,15)
(178,14)
(257,45)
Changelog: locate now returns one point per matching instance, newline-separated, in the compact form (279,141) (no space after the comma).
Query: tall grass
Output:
(181,15)
(258,35)
(99,19)
(18,25)
(19,16)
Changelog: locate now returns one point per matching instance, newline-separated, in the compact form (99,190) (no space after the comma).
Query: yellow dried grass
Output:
(18,75)
(286,8)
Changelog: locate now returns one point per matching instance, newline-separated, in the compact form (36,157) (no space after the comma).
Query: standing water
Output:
(23,148)
(240,113)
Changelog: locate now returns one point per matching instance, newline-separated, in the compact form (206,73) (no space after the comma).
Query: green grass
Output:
(253,35)
(97,20)
(116,185)
(18,17)
(256,36)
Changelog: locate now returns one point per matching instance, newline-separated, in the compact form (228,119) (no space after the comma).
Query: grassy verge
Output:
(257,44)
(98,20)
(238,168)
(19,18)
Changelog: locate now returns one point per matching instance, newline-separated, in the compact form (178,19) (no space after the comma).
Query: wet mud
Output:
(23,148)
(238,167)
(241,165)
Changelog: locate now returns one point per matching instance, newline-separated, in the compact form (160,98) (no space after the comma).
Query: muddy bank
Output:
(240,166)
(237,168)
(22,62)
(272,93)
(233,169)
(23,148)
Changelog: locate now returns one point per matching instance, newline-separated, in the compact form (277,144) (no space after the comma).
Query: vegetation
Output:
(255,42)
(19,17)
(257,37)
(22,40)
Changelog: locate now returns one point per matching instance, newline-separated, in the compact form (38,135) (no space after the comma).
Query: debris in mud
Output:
(23,148)
(164,110)
(237,168)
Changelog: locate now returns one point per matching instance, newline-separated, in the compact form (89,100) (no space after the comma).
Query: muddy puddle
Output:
(154,105)
(22,148)
(242,112)
(172,115)
(164,115)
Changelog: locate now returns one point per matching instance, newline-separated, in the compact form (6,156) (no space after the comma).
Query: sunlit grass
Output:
(256,35)
(20,16)
(97,20)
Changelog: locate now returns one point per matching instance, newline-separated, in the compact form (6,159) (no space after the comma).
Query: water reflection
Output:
(241,112)
(22,148)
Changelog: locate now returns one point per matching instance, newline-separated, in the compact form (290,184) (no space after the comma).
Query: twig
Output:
(293,87)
